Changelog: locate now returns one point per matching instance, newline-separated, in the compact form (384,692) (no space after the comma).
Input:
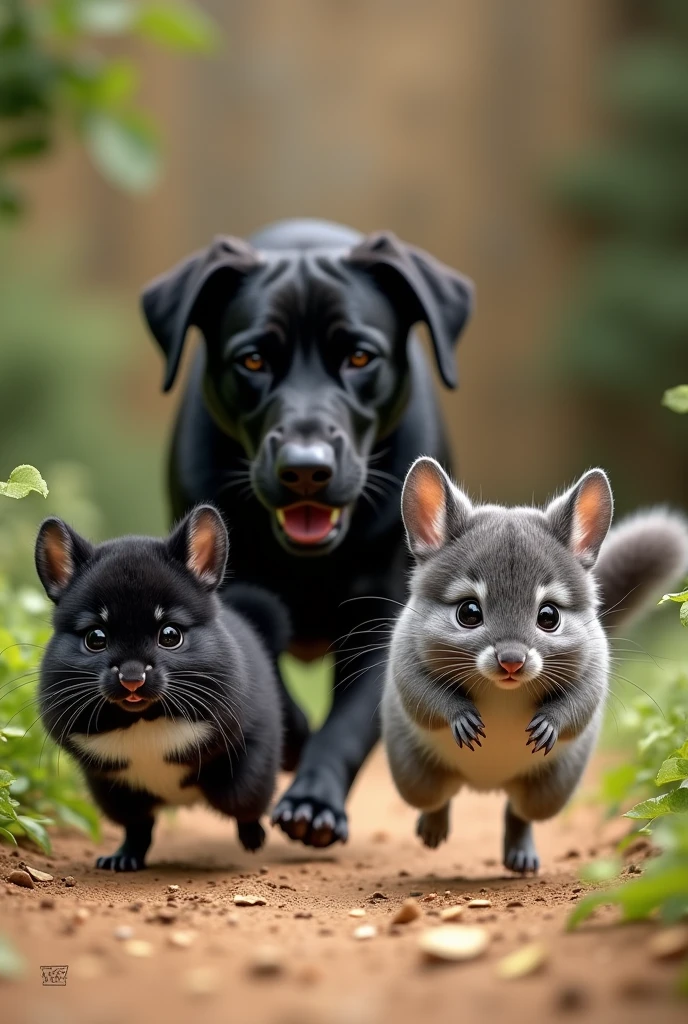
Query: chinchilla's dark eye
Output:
(95,640)
(469,613)
(548,617)
(170,637)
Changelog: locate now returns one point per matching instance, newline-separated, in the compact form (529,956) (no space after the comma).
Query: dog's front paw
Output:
(543,733)
(467,728)
(120,862)
(314,820)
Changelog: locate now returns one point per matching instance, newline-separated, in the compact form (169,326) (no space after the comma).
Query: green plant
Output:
(37,786)
(52,75)
(30,784)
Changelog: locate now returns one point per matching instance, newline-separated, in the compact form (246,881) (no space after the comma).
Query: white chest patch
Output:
(504,753)
(143,748)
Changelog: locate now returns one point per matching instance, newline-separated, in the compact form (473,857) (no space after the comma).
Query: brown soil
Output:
(321,973)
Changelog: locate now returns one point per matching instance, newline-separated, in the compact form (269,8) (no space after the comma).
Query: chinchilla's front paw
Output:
(543,733)
(467,728)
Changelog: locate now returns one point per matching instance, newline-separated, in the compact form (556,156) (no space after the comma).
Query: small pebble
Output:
(123,932)
(38,876)
(515,903)
(47,903)
(303,914)
(453,942)
(407,912)
(451,913)
(522,962)
(669,944)
(479,904)
(173,888)
(357,912)
(181,940)
(266,960)
(249,901)
(365,931)
(138,948)
(430,896)
(379,896)
(81,915)
(70,881)
(22,878)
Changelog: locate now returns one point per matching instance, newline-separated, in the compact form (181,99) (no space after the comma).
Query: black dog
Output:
(302,415)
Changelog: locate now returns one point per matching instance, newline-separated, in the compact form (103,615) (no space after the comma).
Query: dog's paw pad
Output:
(311,822)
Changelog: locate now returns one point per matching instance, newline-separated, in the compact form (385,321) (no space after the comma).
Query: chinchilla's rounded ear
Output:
(433,510)
(201,543)
(581,517)
(420,288)
(193,294)
(60,552)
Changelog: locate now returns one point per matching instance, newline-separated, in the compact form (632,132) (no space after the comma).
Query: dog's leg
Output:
(312,809)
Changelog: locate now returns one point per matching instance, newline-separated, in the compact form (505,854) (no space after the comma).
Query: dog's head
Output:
(307,363)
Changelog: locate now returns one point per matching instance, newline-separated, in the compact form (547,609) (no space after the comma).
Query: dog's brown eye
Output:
(470,614)
(253,361)
(359,358)
(548,617)
(170,637)
(95,640)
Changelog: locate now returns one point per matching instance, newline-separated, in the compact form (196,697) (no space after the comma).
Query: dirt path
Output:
(325,975)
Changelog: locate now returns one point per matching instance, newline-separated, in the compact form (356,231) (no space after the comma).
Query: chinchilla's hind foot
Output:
(520,854)
(251,835)
(433,826)
(120,861)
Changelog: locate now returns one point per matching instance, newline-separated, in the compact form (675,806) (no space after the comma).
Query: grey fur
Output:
(452,716)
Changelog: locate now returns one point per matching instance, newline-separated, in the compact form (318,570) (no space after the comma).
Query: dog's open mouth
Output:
(308,523)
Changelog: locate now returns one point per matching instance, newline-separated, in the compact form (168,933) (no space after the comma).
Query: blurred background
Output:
(540,148)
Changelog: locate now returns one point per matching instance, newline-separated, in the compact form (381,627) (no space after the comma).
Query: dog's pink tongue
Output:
(307,524)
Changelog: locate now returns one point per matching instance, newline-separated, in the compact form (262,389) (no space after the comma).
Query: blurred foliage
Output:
(46,788)
(623,335)
(56,343)
(52,76)
(22,481)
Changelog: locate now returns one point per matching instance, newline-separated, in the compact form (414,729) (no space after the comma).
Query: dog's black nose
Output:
(305,468)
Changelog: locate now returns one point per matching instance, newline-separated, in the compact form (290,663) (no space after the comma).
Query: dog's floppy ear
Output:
(423,289)
(189,294)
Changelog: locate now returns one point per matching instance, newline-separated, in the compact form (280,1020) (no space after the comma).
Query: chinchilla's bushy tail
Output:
(642,558)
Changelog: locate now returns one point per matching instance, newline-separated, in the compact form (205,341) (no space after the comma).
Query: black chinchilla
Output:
(163,693)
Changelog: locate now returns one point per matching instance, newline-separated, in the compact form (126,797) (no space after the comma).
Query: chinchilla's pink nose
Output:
(132,675)
(512,667)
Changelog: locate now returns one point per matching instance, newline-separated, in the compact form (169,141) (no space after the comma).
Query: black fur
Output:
(221,674)
(305,296)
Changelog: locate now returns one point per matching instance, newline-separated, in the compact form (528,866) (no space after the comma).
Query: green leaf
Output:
(7,836)
(105,17)
(22,481)
(124,149)
(678,598)
(35,831)
(675,802)
(180,26)
(683,613)
(11,963)
(676,399)
(641,896)
(674,769)
(6,778)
